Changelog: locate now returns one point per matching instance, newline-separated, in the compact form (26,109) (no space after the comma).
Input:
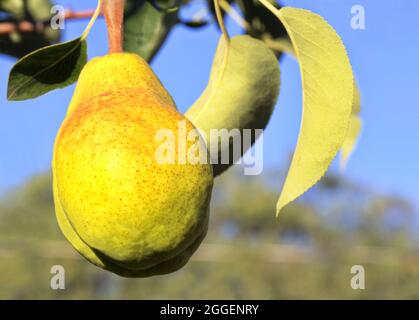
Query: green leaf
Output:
(194,23)
(241,94)
(281,45)
(31,10)
(46,69)
(328,89)
(14,7)
(18,44)
(355,127)
(211,7)
(146,28)
(166,5)
(258,21)
(38,9)
(354,130)
(351,140)
(263,23)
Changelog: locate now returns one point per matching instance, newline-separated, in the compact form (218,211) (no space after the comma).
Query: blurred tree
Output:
(25,26)
(248,254)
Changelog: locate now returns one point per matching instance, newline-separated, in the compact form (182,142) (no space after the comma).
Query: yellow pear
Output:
(241,93)
(118,204)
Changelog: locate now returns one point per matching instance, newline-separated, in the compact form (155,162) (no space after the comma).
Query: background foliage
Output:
(147,24)
(20,43)
(248,254)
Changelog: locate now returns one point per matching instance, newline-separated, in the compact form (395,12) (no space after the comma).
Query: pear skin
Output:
(115,202)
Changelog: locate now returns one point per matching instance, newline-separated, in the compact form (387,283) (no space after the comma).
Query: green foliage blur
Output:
(248,254)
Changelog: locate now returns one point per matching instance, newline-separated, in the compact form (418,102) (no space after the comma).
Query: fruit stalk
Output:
(220,19)
(113,10)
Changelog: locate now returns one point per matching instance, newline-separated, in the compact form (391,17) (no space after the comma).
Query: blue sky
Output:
(384,57)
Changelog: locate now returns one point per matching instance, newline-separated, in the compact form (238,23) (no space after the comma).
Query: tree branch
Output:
(28,26)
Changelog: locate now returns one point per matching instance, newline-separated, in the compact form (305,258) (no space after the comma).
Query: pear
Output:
(241,93)
(117,204)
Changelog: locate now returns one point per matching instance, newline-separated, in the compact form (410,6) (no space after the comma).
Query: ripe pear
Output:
(241,93)
(118,205)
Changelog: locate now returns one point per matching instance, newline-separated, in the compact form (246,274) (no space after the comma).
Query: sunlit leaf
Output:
(354,130)
(146,28)
(14,7)
(328,86)
(285,46)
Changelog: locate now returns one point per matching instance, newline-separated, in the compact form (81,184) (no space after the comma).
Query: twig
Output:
(237,18)
(220,19)
(28,26)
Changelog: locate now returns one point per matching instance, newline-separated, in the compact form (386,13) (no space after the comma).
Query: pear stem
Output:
(113,10)
(220,19)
